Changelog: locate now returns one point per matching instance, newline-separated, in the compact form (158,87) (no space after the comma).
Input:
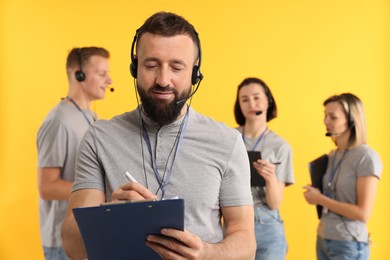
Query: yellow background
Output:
(305,50)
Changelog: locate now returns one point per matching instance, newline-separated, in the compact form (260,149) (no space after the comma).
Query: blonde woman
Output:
(349,184)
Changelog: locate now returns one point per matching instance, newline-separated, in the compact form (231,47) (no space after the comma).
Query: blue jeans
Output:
(338,250)
(270,237)
(55,253)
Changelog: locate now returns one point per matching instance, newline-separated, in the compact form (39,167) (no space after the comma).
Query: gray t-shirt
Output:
(273,148)
(57,142)
(210,169)
(359,161)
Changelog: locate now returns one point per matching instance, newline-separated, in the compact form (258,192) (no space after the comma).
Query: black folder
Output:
(317,169)
(118,231)
(256,178)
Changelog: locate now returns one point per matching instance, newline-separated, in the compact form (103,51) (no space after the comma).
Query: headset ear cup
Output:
(133,68)
(351,123)
(271,107)
(79,75)
(196,75)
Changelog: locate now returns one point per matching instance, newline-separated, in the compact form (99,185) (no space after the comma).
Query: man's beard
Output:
(159,110)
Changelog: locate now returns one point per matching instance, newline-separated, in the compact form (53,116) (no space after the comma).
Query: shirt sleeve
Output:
(235,187)
(284,171)
(370,164)
(89,171)
(52,141)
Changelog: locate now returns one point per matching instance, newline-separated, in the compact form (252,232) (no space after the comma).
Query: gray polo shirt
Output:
(210,168)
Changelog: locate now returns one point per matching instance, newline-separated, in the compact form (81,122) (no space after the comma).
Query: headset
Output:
(79,74)
(196,76)
(347,108)
(271,106)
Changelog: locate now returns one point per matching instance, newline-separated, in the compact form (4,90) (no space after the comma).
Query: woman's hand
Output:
(266,170)
(312,195)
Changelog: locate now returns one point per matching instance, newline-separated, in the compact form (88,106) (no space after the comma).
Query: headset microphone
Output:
(186,98)
(335,134)
(351,125)
(258,113)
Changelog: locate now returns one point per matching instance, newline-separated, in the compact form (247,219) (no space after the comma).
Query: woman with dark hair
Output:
(349,184)
(254,107)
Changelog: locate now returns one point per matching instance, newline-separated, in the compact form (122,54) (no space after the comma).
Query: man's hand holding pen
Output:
(132,191)
(174,244)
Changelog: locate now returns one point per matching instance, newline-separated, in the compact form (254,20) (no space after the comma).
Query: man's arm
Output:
(239,241)
(70,233)
(51,186)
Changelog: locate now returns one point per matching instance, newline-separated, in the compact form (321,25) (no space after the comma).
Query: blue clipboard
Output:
(118,231)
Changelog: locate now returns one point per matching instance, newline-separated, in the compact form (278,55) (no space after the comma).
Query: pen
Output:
(129,177)
(276,163)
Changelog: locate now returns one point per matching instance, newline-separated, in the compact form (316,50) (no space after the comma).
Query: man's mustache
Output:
(162,89)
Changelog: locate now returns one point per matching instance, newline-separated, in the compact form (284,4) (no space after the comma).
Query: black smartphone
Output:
(256,179)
